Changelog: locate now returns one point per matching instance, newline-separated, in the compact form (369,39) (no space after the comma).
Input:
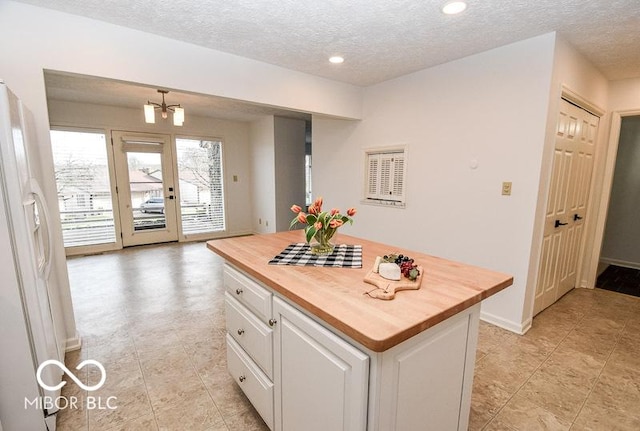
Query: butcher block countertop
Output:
(338,296)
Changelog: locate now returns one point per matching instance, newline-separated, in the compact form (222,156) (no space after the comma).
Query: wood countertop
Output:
(337,295)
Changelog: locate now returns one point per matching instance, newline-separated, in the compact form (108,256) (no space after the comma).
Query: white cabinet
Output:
(253,382)
(321,381)
(301,374)
(425,382)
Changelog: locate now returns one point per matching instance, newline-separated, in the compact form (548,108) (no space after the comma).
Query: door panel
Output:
(146,192)
(567,204)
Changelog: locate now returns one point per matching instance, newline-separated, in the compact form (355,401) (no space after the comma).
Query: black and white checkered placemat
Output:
(343,256)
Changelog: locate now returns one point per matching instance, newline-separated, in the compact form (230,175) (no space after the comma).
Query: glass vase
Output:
(321,246)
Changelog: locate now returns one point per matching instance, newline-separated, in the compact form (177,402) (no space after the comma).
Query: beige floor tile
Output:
(627,352)
(522,414)
(248,420)
(72,419)
(558,393)
(228,397)
(550,328)
(598,345)
(585,363)
(169,363)
(487,400)
(614,402)
(130,403)
(117,370)
(199,414)
(143,423)
(164,392)
(507,369)
(118,349)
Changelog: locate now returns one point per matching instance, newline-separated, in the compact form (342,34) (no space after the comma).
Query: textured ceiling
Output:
(380,39)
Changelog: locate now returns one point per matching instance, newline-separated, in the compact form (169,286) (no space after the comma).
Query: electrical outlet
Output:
(259,221)
(506,188)
(266,223)
(235,178)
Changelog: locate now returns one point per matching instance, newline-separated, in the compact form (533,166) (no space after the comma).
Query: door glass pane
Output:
(147,191)
(201,185)
(84,189)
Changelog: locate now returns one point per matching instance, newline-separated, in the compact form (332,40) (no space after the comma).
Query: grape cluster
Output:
(407,266)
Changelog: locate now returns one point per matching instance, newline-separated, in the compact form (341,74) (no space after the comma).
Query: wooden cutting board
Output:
(386,289)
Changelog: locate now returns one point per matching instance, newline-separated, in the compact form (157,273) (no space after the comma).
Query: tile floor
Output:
(154,317)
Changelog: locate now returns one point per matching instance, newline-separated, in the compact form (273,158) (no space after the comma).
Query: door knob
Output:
(558,224)
(576,217)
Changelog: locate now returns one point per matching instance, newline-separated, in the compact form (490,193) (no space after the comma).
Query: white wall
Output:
(263,182)
(234,135)
(34,39)
(489,108)
(621,245)
(624,95)
(289,168)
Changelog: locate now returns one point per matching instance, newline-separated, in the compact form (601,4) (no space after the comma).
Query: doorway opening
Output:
(619,263)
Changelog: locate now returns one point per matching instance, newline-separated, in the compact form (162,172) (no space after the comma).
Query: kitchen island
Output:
(311,350)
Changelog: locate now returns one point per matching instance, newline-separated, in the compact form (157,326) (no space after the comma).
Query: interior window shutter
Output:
(397,191)
(384,177)
(373,174)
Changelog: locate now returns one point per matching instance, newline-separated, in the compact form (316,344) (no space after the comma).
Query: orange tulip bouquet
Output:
(320,225)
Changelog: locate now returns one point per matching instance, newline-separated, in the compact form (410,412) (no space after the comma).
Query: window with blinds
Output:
(385,177)
(201,185)
(84,187)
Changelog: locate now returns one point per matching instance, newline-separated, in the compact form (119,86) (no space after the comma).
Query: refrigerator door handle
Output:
(45,267)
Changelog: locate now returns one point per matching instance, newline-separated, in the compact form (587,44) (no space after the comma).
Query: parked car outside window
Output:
(153,205)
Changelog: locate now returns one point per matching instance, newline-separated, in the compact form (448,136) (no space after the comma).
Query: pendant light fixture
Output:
(150,111)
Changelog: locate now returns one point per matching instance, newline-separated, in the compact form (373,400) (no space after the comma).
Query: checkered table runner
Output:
(343,256)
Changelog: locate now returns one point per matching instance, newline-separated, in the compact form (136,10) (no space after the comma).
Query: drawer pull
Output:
(238,291)
(272,322)
(240,331)
(242,378)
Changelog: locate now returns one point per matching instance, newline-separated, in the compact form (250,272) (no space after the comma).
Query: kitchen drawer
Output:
(255,385)
(255,337)
(255,297)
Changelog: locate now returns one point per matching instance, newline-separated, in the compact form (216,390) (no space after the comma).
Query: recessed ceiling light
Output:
(336,59)
(454,7)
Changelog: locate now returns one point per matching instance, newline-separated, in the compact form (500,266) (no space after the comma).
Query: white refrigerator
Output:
(27,328)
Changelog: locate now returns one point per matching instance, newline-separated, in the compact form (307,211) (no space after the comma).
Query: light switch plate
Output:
(506,188)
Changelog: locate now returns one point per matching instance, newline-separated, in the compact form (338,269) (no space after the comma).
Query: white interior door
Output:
(567,204)
(146,193)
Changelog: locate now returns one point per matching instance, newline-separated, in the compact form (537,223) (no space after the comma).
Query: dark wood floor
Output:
(620,279)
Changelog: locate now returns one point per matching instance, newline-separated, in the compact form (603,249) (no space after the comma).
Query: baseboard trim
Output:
(73,343)
(623,263)
(517,328)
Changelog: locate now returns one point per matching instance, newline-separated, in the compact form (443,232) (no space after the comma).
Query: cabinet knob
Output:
(238,291)
(240,331)
(242,378)
(272,322)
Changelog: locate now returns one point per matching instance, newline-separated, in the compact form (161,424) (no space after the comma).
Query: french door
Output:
(145,189)
(567,203)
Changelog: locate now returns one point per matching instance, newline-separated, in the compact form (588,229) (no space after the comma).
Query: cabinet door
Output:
(321,381)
